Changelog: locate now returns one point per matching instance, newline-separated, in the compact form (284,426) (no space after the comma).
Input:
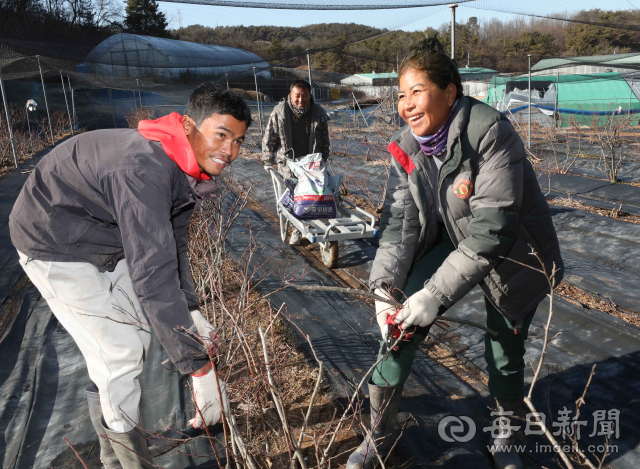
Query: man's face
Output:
(216,142)
(300,97)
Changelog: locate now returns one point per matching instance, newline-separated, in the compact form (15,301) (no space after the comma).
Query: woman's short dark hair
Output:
(304,84)
(429,56)
(208,99)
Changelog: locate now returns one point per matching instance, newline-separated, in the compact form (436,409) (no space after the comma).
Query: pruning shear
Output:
(393,332)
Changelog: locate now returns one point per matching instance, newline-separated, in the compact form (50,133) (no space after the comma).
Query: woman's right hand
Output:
(421,310)
(383,310)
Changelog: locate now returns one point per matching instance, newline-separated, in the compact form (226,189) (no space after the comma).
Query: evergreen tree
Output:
(144,17)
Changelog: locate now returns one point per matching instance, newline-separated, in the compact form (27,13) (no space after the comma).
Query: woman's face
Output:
(423,105)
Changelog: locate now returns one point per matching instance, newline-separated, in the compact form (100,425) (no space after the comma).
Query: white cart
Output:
(354,223)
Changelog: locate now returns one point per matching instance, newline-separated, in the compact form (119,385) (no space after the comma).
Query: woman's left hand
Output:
(420,309)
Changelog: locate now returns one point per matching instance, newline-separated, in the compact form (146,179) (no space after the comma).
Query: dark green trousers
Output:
(504,355)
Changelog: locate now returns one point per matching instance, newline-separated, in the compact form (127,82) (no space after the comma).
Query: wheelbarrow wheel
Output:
(329,253)
(284,227)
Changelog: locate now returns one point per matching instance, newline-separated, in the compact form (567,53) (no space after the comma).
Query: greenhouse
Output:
(130,55)
(581,96)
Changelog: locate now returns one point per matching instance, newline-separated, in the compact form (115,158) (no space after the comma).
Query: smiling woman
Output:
(462,203)
(429,86)
(422,104)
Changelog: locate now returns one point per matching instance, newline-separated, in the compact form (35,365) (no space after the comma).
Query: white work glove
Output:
(383,310)
(207,399)
(420,309)
(205,331)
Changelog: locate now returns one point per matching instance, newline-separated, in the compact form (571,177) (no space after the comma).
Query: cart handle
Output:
(336,225)
(358,209)
(275,179)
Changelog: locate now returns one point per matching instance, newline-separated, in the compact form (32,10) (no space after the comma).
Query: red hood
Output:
(168,130)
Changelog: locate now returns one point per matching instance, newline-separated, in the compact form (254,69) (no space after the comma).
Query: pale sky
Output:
(411,19)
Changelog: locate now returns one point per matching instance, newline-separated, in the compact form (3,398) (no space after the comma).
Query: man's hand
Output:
(206,332)
(207,399)
(383,310)
(420,309)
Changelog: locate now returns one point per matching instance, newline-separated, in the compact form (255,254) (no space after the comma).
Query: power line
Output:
(384,5)
(623,26)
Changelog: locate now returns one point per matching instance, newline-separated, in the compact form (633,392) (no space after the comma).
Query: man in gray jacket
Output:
(101,227)
(297,127)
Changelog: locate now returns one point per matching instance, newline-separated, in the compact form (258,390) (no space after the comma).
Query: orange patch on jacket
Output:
(463,188)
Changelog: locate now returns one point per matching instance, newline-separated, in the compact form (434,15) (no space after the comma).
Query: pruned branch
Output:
(373,296)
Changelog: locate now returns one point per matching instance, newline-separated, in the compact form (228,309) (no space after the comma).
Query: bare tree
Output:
(607,132)
(106,12)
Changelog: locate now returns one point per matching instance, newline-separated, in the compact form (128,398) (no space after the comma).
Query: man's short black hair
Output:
(208,99)
(300,83)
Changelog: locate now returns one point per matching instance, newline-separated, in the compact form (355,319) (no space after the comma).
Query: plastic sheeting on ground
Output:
(629,170)
(42,382)
(592,188)
(344,337)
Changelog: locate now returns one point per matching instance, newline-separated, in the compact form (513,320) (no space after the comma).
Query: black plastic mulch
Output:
(579,340)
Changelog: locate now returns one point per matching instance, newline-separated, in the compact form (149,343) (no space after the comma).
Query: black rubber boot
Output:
(130,448)
(107,455)
(504,453)
(168,440)
(385,402)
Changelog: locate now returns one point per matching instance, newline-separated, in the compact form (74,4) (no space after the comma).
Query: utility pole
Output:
(139,94)
(65,101)
(6,110)
(309,67)
(555,111)
(113,109)
(226,75)
(529,125)
(73,105)
(46,104)
(453,7)
(630,95)
(255,77)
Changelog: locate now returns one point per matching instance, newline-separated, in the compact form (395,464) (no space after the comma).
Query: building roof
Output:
(133,50)
(630,60)
(465,70)
(374,76)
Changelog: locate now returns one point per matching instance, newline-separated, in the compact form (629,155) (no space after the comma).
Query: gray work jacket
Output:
(277,137)
(111,194)
(492,207)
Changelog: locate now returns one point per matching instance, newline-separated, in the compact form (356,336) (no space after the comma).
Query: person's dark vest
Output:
(465,148)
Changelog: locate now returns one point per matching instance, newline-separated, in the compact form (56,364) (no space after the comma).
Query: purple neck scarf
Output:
(436,144)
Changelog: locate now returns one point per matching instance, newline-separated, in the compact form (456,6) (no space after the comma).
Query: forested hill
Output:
(501,45)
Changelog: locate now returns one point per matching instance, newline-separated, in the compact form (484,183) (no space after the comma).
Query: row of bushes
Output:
(29,137)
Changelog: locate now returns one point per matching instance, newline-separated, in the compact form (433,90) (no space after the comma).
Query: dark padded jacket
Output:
(492,208)
(111,194)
